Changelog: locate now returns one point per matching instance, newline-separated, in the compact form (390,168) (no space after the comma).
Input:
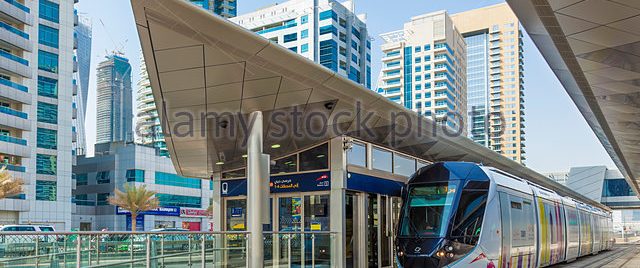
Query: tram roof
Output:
(202,63)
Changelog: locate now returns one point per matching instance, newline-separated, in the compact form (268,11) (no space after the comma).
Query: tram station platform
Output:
(621,256)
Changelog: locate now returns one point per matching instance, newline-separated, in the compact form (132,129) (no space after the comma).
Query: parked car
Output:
(23,245)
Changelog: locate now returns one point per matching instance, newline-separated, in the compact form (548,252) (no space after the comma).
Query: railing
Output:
(13,85)
(11,139)
(14,57)
(161,249)
(9,111)
(14,30)
(18,5)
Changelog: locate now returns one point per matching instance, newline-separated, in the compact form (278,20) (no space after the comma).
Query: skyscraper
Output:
(495,87)
(329,33)
(82,66)
(424,69)
(114,100)
(36,90)
(148,128)
(225,8)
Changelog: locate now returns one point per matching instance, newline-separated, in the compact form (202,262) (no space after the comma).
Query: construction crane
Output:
(118,50)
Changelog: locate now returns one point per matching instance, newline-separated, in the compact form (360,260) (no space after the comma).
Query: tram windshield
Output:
(428,209)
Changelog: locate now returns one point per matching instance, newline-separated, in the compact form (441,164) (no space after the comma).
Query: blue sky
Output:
(557,135)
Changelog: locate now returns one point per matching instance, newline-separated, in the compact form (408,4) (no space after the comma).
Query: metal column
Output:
(257,190)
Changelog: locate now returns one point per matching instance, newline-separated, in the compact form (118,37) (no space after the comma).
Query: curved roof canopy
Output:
(593,47)
(207,74)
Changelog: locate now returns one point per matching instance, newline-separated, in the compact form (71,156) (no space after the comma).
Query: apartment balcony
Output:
(495,58)
(494,51)
(14,37)
(14,64)
(225,4)
(75,89)
(74,113)
(75,41)
(75,66)
(74,136)
(14,91)
(14,146)
(147,107)
(392,57)
(16,12)
(75,17)
(15,119)
(392,67)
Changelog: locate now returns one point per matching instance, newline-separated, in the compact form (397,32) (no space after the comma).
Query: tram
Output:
(459,214)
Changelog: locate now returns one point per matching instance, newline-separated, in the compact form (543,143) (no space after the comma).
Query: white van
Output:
(26,228)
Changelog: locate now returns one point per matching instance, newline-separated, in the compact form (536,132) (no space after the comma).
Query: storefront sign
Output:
(306,182)
(139,222)
(161,211)
(193,213)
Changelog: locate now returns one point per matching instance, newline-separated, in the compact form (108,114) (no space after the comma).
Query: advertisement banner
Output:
(193,213)
(139,222)
(161,211)
(306,182)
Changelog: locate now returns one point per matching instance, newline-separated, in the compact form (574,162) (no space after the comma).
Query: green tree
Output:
(135,200)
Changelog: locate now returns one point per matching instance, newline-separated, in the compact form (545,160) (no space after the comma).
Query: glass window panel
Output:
(49,11)
(46,190)
(48,36)
(315,158)
(47,87)
(234,174)
(47,113)
(47,138)
(285,165)
(357,155)
(103,177)
(404,166)
(381,159)
(47,61)
(176,180)
(46,164)
(179,200)
(135,175)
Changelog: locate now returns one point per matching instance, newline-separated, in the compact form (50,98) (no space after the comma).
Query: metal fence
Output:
(161,249)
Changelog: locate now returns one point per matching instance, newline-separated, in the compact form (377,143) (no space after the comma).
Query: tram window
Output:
(315,158)
(468,219)
(404,166)
(357,155)
(381,159)
(285,165)
(428,209)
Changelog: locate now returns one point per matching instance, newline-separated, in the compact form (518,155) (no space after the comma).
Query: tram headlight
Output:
(400,253)
(450,255)
(448,248)
(440,253)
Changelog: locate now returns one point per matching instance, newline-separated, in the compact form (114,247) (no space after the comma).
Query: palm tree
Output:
(135,200)
(8,185)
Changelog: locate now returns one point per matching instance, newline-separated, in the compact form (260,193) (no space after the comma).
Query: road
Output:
(621,256)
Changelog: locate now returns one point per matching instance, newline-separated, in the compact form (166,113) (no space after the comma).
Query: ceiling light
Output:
(219,163)
(244,156)
(320,156)
(275,146)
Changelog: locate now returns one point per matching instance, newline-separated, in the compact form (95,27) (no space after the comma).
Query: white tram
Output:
(457,214)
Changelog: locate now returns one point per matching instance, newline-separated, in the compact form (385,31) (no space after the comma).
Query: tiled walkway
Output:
(627,256)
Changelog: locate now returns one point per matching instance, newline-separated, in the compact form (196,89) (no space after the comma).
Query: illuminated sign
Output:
(162,211)
(306,182)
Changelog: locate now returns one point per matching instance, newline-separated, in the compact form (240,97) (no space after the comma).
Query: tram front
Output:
(442,214)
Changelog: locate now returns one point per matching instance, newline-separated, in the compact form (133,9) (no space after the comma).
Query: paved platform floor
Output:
(627,256)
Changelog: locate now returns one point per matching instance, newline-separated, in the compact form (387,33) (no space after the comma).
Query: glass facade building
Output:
(36,96)
(114,110)
(225,8)
(424,69)
(334,37)
(478,86)
(119,163)
(495,79)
